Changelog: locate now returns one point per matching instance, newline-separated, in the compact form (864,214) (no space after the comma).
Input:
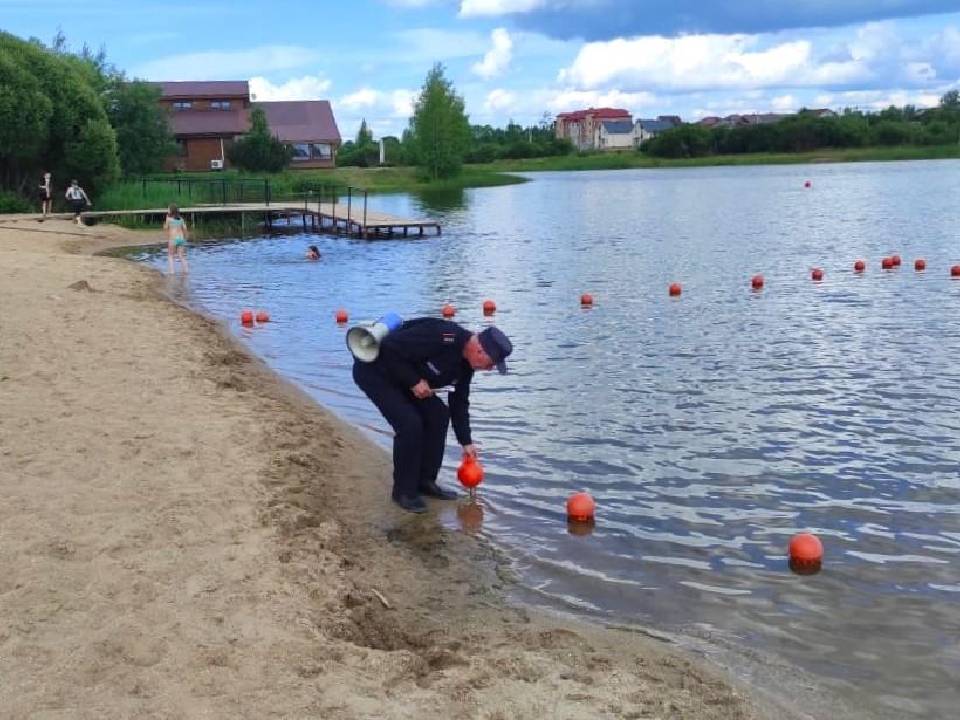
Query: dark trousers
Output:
(420,428)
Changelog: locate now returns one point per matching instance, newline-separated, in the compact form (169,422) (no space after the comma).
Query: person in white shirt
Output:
(46,195)
(78,200)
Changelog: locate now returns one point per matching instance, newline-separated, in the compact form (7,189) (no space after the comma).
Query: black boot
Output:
(435,491)
(414,504)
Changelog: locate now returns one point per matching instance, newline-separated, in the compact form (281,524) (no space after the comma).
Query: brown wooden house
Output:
(207,116)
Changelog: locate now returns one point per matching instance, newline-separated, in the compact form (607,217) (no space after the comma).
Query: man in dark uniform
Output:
(420,355)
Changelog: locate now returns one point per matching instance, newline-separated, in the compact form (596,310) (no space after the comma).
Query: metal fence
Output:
(209,191)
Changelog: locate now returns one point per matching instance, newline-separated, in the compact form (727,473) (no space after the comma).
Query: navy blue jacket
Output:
(432,349)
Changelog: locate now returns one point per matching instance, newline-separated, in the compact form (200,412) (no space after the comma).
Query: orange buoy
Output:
(816,274)
(246,317)
(897,260)
(887,263)
(448,310)
(263,316)
(342,316)
(919,264)
(470,472)
(955,271)
(489,307)
(581,507)
(586,299)
(859,266)
(807,184)
(675,290)
(805,551)
(756,282)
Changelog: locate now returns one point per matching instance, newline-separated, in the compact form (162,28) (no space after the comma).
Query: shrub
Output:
(13,203)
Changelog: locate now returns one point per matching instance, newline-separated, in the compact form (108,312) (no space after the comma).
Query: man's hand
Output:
(421,390)
(470,450)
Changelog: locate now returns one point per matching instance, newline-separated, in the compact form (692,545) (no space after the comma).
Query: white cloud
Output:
(565,100)
(308,87)
(784,103)
(362,98)
(881,99)
(402,101)
(497,58)
(225,65)
(499,100)
(696,61)
(474,8)
(871,56)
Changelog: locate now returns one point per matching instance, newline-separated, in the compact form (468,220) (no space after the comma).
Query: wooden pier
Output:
(341,218)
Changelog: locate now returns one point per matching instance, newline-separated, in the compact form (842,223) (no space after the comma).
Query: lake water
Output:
(709,428)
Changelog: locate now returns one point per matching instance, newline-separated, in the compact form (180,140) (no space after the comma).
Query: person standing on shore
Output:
(420,355)
(46,195)
(176,228)
(78,200)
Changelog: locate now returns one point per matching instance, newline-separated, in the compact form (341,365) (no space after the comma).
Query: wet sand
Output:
(185,535)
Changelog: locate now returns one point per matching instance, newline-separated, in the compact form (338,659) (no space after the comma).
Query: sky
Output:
(526,60)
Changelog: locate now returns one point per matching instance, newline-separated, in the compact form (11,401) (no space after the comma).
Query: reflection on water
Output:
(709,428)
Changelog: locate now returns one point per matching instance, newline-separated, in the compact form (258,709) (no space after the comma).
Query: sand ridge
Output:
(184,535)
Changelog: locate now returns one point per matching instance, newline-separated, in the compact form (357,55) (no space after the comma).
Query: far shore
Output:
(290,183)
(184,534)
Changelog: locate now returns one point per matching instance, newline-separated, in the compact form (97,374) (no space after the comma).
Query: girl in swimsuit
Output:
(176,228)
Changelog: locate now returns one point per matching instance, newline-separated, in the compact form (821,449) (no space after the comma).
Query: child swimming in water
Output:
(313,253)
(176,228)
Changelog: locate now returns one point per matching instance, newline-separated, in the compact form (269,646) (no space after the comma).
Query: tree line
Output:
(806,131)
(74,115)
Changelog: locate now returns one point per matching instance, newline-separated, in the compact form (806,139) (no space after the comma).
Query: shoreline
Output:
(185,531)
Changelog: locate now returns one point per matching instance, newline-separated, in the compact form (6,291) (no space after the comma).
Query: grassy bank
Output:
(292,184)
(626,160)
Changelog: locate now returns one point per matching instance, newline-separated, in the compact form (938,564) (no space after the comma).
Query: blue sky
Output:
(520,59)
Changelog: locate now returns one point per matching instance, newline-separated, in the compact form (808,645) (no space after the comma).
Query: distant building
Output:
(581,126)
(646,129)
(737,120)
(308,126)
(615,135)
(206,117)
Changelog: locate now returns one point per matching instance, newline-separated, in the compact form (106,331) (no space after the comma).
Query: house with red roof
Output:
(582,127)
(206,117)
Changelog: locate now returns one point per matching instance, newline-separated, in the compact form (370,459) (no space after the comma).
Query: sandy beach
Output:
(184,535)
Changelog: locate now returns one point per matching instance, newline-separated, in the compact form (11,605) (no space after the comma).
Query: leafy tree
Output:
(48,105)
(92,155)
(950,100)
(259,150)
(394,151)
(362,152)
(440,128)
(144,139)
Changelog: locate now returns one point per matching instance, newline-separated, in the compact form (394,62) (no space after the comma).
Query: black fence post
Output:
(266,190)
(364,210)
(144,182)
(223,192)
(349,204)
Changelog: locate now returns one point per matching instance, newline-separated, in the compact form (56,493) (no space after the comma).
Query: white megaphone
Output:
(364,340)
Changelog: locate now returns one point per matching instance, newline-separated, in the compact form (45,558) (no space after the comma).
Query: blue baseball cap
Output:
(497,346)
